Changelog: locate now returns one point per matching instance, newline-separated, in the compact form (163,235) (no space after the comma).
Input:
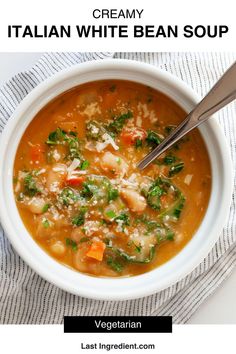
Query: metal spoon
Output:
(222,93)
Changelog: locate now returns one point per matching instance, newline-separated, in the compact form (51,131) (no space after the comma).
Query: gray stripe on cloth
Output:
(26,298)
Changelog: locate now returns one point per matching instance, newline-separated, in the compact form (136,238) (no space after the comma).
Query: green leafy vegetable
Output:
(124,217)
(118,123)
(175,209)
(72,244)
(98,188)
(46,207)
(115,265)
(159,229)
(60,136)
(84,165)
(30,186)
(46,223)
(133,259)
(138,248)
(153,139)
(73,147)
(112,88)
(72,133)
(112,194)
(169,159)
(151,225)
(88,190)
(56,137)
(163,186)
(67,196)
(94,130)
(79,219)
(110,214)
(95,186)
(176,169)
(154,194)
(138,143)
(178,207)
(168,235)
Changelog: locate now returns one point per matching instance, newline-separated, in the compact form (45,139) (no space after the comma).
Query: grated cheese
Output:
(107,141)
(75,164)
(188,179)
(142,107)
(40,172)
(22,175)
(90,146)
(54,187)
(139,121)
(91,109)
(56,155)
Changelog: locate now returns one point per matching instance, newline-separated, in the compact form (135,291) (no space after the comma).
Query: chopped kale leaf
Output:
(30,186)
(67,196)
(94,130)
(153,139)
(154,194)
(72,244)
(56,137)
(115,265)
(124,217)
(169,159)
(138,143)
(110,214)
(84,165)
(112,88)
(79,219)
(112,194)
(46,223)
(118,123)
(46,207)
(176,169)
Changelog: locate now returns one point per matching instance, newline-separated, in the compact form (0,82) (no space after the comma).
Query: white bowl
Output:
(168,273)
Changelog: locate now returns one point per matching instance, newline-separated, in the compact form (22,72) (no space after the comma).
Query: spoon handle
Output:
(222,93)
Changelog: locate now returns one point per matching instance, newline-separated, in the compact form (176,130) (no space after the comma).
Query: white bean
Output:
(79,259)
(35,205)
(113,163)
(58,248)
(135,201)
(56,176)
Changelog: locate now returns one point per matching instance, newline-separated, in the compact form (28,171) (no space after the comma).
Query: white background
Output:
(220,307)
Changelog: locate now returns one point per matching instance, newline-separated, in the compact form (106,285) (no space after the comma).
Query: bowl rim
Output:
(11,230)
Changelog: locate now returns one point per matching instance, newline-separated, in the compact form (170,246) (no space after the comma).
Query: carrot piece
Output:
(130,136)
(96,250)
(76,181)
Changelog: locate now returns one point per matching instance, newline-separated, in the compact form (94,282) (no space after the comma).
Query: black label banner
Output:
(117,324)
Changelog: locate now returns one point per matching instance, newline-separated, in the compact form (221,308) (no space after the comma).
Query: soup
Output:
(80,194)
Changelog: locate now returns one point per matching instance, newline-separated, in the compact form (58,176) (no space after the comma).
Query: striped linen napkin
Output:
(26,298)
